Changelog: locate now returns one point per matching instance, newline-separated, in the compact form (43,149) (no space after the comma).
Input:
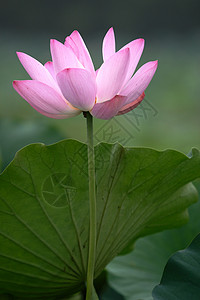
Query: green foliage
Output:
(16,134)
(136,274)
(44,210)
(181,275)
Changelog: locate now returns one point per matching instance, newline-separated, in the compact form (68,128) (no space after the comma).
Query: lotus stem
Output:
(90,293)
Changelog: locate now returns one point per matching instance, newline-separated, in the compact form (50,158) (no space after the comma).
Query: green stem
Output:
(92,198)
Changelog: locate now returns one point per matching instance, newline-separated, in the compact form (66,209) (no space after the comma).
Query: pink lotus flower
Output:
(69,84)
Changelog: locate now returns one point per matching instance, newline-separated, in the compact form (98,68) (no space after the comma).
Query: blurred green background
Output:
(169,117)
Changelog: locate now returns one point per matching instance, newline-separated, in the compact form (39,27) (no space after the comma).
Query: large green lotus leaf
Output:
(181,276)
(136,274)
(44,210)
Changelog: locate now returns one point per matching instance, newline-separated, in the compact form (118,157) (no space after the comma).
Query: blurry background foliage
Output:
(172,33)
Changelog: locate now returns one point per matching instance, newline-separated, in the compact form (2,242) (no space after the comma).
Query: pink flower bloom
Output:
(69,84)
